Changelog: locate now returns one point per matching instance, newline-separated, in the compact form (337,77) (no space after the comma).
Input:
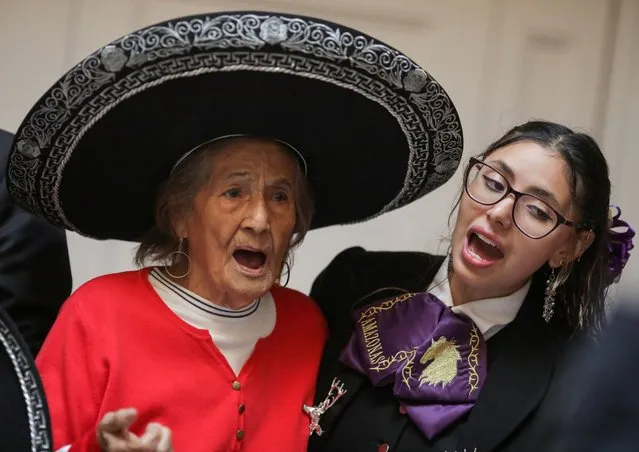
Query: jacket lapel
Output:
(520,369)
(406,279)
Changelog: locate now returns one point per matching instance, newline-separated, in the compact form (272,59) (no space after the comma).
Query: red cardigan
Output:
(116,344)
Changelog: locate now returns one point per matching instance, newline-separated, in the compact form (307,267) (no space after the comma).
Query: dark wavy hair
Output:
(583,283)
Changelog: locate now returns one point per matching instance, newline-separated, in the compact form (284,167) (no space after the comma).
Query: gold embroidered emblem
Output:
(441,356)
(441,362)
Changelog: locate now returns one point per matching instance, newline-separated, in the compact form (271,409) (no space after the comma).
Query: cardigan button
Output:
(236,385)
(241,408)
(383,448)
(240,434)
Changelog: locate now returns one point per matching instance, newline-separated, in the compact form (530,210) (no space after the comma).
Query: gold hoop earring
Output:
(174,257)
(288,273)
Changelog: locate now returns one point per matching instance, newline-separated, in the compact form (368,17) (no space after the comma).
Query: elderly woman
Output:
(202,138)
(230,211)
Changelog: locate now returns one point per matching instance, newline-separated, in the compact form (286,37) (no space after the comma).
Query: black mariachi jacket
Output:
(521,403)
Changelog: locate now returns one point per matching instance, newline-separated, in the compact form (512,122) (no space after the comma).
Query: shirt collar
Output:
(490,314)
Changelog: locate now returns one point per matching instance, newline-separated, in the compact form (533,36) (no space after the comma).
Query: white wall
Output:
(620,127)
(503,62)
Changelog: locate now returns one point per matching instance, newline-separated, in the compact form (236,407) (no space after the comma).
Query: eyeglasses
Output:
(532,216)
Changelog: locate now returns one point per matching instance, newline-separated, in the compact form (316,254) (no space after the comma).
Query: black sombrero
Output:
(24,416)
(376,131)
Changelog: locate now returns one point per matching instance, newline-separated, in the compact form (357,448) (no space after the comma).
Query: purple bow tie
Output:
(434,359)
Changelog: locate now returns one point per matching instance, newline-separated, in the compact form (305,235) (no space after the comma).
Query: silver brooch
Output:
(415,80)
(28,148)
(273,30)
(315,412)
(113,58)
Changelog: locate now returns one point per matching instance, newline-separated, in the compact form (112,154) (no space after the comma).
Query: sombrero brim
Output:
(24,419)
(376,131)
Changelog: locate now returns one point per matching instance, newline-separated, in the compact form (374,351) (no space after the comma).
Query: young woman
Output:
(471,361)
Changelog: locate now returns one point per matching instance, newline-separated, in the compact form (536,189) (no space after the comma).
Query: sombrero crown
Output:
(375,130)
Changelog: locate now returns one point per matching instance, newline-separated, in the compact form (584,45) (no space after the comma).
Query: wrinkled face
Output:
(491,257)
(241,224)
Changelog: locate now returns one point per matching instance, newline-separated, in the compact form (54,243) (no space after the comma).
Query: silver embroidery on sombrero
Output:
(417,101)
(38,420)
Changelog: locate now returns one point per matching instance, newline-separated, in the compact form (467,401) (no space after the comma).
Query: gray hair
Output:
(177,194)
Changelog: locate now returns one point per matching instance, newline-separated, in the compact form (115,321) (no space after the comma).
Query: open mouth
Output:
(250,259)
(482,248)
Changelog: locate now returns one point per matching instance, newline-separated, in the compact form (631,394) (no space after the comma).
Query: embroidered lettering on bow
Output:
(315,412)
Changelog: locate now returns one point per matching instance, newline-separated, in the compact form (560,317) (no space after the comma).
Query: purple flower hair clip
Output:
(620,243)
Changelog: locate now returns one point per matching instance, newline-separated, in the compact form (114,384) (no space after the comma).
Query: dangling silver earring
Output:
(549,300)
(174,257)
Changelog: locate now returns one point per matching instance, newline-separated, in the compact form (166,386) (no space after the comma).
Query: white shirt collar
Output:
(490,314)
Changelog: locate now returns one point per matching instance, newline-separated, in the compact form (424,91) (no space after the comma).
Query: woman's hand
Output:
(114,435)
